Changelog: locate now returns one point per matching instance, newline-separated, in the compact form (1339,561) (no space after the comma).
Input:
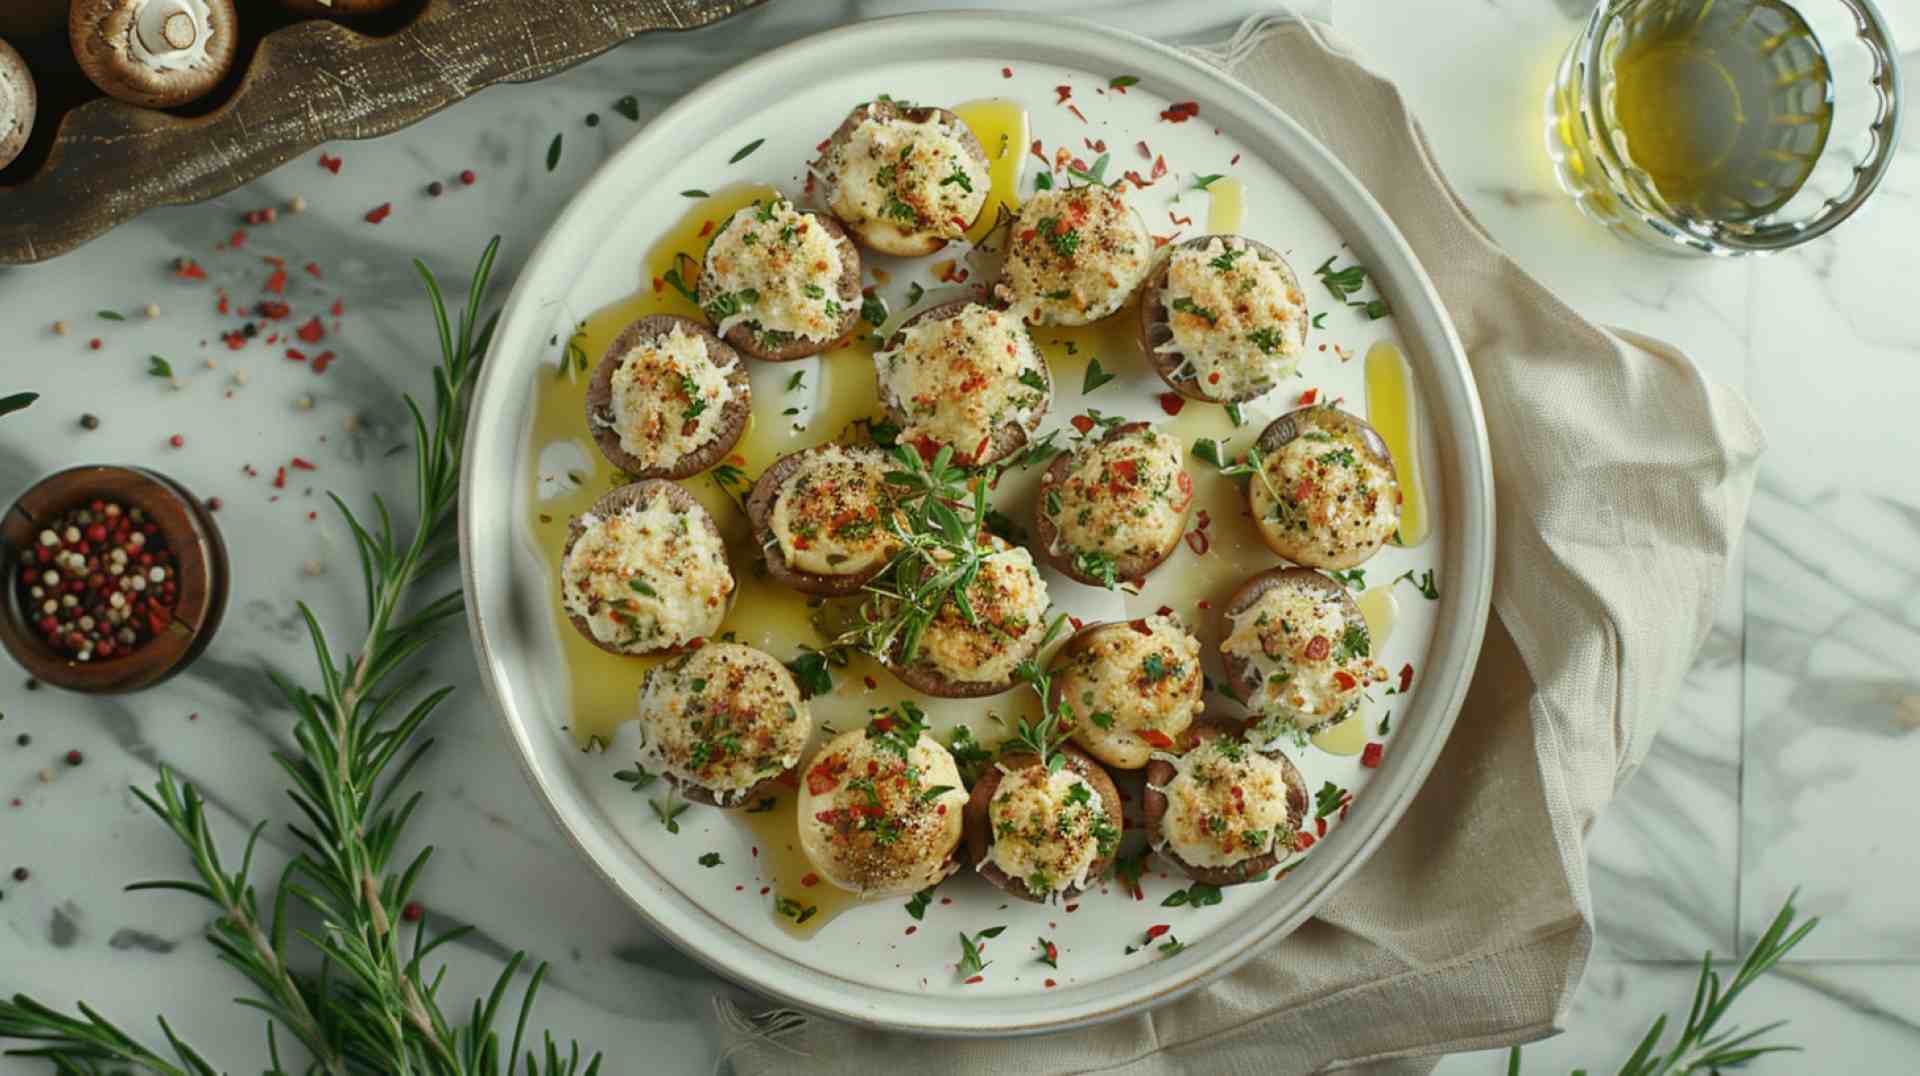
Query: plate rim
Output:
(1425,319)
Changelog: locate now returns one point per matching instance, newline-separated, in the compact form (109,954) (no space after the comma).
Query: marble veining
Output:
(1785,762)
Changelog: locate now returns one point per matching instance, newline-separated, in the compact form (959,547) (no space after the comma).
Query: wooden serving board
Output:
(94,163)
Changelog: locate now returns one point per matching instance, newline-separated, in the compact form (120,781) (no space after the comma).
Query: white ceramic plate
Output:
(866,966)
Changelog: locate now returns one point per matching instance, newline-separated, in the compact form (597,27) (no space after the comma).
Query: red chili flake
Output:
(1370,758)
(1140,625)
(1203,520)
(294,354)
(1062,92)
(706,229)
(1139,181)
(1050,984)
(322,361)
(339,307)
(277,283)
(1302,841)
(1077,114)
(75,758)
(1236,160)
(871,683)
(1172,402)
(331,164)
(222,306)
(1181,111)
(809,879)
(1156,930)
(271,309)
(1318,647)
(1344,680)
(911,929)
(1309,396)
(412,912)
(188,269)
(1406,677)
(280,478)
(1178,221)
(976,979)
(1038,152)
(1076,622)
(1320,827)
(379,213)
(1006,72)
(313,332)
(238,239)
(1053,951)
(313,270)
(302,465)
(1199,543)
(1159,167)
(1082,423)
(1156,738)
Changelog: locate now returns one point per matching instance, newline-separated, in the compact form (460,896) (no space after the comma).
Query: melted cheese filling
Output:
(1225,804)
(1325,495)
(649,577)
(723,718)
(777,268)
(828,515)
(1313,661)
(958,380)
(1009,602)
(1123,498)
(1075,255)
(870,818)
(917,177)
(1237,323)
(668,397)
(1132,691)
(1048,829)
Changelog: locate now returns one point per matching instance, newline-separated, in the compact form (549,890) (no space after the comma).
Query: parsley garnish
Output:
(917,904)
(1187,305)
(809,670)
(873,310)
(1266,338)
(798,379)
(1033,379)
(1096,376)
(1341,282)
(110,315)
(970,962)
(1099,566)
(1225,259)
(914,293)
(1352,578)
(637,777)
(959,178)
(668,810)
(1328,800)
(1319,320)
(1097,175)
(1121,82)
(553,153)
(695,193)
(793,909)
(1208,448)
(711,859)
(1201,183)
(1354,643)
(1199,895)
(158,367)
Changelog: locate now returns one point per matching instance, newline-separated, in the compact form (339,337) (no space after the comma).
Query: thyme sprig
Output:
(1044,737)
(349,989)
(942,517)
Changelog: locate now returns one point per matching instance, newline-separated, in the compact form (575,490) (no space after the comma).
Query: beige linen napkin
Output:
(1622,478)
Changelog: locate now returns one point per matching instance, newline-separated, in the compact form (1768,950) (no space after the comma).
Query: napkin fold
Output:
(1622,478)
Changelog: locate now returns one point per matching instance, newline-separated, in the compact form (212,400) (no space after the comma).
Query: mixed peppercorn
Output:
(100,582)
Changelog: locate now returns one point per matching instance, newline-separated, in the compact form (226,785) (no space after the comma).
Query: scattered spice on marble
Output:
(379,213)
(60,328)
(467,178)
(75,758)
(100,582)
(436,189)
(89,421)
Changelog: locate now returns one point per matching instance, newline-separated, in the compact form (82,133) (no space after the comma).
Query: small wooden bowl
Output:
(189,531)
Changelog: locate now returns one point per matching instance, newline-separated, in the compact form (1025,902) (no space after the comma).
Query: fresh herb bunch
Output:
(349,989)
(1044,737)
(1700,1047)
(942,516)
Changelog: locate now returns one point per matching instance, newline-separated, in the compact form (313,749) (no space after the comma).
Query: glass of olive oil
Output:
(1725,127)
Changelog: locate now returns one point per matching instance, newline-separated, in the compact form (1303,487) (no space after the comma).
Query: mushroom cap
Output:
(133,50)
(323,8)
(19,102)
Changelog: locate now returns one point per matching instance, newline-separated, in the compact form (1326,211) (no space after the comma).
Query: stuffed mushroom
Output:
(1074,255)
(965,375)
(904,180)
(824,517)
(960,658)
(1324,493)
(1223,319)
(723,724)
(645,571)
(1223,811)
(781,283)
(1130,688)
(1042,832)
(1114,509)
(880,809)
(669,399)
(1298,650)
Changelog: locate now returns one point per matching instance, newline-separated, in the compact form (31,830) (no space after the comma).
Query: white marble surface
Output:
(1786,762)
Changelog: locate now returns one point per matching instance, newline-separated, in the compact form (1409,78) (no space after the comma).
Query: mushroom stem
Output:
(178,31)
(164,26)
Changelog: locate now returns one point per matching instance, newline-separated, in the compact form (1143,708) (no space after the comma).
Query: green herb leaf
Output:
(1425,584)
(694,192)
(1095,377)
(745,151)
(1353,578)
(1341,282)
(553,153)
(158,367)
(1201,183)
(711,859)
(810,670)
(1208,449)
(1121,82)
(1199,895)
(917,904)
(112,315)
(18,401)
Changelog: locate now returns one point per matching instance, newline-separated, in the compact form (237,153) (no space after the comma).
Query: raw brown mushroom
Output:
(18,104)
(156,53)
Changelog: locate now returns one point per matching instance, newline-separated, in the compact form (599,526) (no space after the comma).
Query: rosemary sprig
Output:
(939,526)
(369,1006)
(1700,1048)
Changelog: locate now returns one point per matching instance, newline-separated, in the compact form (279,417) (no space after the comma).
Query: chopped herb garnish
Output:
(637,777)
(695,193)
(1042,181)
(1329,799)
(1121,82)
(1208,448)
(711,859)
(1201,183)
(1319,320)
(1096,376)
(553,153)
(745,151)
(1235,416)
(1033,379)
(1129,869)
(873,310)
(668,810)
(1341,282)
(970,962)
(1267,339)
(1199,895)
(1425,584)
(112,315)
(1049,953)
(914,293)
(158,367)
(810,671)
(1096,175)
(798,379)
(959,178)
(917,904)
(1375,309)
(1352,578)
(1187,305)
